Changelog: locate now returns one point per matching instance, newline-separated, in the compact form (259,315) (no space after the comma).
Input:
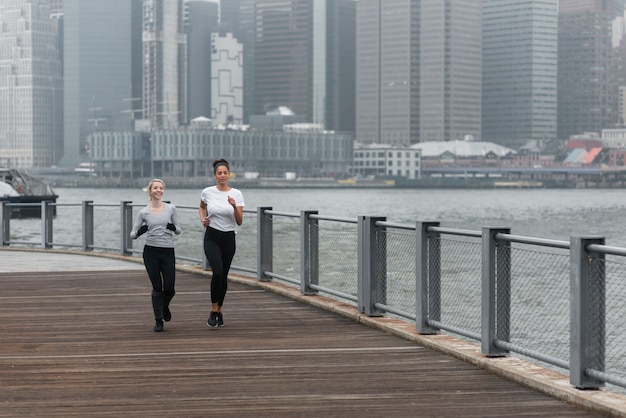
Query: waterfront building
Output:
(519,67)
(462,153)
(31,119)
(203,22)
(189,152)
(416,78)
(382,160)
(97,72)
(165,77)
(227,61)
(587,76)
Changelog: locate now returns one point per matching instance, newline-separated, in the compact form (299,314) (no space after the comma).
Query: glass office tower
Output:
(97,72)
(30,86)
(519,100)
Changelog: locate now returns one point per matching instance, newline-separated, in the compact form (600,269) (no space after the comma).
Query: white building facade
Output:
(226,80)
(384,160)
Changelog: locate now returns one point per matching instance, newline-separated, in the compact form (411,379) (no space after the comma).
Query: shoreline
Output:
(332,183)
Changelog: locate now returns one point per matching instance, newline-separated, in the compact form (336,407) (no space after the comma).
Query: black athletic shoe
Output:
(220,320)
(167,315)
(158,326)
(212,321)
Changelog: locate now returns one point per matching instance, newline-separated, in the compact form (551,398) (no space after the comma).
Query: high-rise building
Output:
(290,57)
(165,81)
(226,80)
(203,17)
(587,67)
(418,71)
(450,70)
(387,72)
(97,72)
(30,85)
(519,82)
(340,93)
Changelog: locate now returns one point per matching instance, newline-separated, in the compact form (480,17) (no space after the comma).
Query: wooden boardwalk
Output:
(80,343)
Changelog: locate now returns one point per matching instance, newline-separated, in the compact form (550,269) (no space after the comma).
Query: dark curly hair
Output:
(218,163)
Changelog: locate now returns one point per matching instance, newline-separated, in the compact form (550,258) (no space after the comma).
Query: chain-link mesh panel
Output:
(503,290)
(246,254)
(540,301)
(190,243)
(400,279)
(286,239)
(461,274)
(380,272)
(596,313)
(62,235)
(107,227)
(338,256)
(615,318)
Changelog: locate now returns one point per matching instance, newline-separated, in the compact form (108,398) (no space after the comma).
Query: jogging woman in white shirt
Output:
(221,211)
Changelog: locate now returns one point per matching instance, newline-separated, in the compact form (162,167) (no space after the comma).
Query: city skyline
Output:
(394,73)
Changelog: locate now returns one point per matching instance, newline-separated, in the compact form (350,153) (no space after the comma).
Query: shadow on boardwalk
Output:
(81,343)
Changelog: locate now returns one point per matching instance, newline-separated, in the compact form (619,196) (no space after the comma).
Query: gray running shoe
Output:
(220,320)
(212,321)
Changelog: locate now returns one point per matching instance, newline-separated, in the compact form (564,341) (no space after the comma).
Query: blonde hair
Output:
(149,186)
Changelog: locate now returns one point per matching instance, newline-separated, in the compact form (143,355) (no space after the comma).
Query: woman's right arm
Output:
(202,213)
(136,225)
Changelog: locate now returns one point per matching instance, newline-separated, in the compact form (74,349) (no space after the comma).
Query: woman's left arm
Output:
(238,214)
(238,210)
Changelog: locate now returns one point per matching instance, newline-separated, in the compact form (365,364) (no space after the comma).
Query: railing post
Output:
(88,225)
(126,223)
(265,243)
(5,224)
(47,216)
(496,291)
(372,265)
(309,252)
(588,311)
(427,277)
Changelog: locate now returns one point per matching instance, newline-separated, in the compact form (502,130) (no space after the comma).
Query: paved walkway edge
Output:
(520,371)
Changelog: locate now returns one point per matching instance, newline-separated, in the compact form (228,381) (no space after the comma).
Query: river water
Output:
(544,213)
(554,214)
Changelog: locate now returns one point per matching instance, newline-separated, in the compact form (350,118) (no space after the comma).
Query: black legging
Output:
(219,248)
(161,267)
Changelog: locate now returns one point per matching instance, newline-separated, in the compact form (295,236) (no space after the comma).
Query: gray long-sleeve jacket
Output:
(158,235)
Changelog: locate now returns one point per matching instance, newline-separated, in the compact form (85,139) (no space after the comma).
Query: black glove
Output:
(171,227)
(142,230)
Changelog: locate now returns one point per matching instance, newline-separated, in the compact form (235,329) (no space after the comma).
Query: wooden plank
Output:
(81,343)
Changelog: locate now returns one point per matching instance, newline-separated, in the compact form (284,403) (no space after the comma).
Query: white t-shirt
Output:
(220,213)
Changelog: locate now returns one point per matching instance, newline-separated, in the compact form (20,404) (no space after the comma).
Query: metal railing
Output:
(558,302)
